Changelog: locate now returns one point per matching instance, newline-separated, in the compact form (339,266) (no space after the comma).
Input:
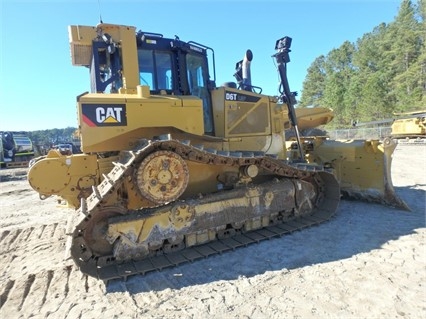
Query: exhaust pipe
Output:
(243,74)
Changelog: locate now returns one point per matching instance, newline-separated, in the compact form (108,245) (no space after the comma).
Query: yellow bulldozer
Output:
(410,127)
(175,168)
(405,127)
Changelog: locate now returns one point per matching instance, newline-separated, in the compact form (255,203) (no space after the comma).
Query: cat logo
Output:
(108,115)
(104,115)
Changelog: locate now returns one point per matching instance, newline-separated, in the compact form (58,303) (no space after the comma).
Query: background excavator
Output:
(175,168)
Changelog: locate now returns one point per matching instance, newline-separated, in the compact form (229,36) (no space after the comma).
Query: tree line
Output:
(383,72)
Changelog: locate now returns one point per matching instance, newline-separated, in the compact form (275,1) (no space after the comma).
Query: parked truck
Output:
(16,149)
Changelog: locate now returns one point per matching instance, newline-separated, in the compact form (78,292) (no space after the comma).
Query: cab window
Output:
(197,73)
(155,69)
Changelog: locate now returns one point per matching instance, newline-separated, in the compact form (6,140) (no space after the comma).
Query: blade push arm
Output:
(282,46)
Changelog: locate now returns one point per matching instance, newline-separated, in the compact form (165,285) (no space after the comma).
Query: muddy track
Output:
(106,267)
(158,263)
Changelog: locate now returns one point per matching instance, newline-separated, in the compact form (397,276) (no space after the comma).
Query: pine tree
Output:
(382,73)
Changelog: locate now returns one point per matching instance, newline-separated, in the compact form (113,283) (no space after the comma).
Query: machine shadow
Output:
(358,227)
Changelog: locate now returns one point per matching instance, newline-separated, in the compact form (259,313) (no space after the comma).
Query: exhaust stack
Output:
(243,74)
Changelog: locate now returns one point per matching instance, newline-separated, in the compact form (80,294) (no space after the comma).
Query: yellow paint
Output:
(146,117)
(65,176)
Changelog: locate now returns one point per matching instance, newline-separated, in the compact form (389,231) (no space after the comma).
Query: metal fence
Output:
(360,133)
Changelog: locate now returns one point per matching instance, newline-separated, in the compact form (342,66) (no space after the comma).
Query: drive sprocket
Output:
(162,177)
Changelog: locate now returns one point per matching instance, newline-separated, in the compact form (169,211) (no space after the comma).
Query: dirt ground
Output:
(367,262)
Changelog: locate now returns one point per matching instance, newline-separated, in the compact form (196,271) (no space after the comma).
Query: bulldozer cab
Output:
(167,66)
(170,66)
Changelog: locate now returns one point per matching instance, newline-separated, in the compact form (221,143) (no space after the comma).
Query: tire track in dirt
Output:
(5,293)
(9,239)
(28,280)
(4,234)
(39,287)
(67,289)
(31,238)
(56,293)
(43,285)
(49,281)
(14,240)
(51,293)
(16,192)
(16,295)
(27,287)
(45,242)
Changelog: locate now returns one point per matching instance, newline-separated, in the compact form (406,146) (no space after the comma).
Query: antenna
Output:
(100,16)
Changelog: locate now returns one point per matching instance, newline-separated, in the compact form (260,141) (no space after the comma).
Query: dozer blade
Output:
(363,168)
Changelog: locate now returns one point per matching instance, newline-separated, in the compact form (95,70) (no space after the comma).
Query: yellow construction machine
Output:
(404,127)
(175,168)
(410,127)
